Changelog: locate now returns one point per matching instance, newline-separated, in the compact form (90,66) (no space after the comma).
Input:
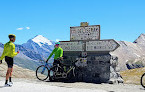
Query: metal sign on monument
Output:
(102,45)
(85,33)
(71,46)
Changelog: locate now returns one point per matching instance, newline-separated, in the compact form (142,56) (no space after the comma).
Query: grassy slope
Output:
(132,76)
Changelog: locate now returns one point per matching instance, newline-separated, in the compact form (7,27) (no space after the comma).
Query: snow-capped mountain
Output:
(131,53)
(40,45)
(35,49)
(40,40)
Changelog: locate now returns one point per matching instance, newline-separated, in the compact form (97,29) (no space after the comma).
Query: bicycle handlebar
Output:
(69,64)
(43,61)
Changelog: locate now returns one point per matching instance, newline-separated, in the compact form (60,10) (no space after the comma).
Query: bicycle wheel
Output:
(143,80)
(42,72)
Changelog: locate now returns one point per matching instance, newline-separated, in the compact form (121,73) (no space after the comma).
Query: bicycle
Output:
(43,70)
(142,81)
(62,72)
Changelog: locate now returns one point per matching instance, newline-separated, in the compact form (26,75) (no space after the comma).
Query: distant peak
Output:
(39,36)
(140,39)
(40,40)
(142,34)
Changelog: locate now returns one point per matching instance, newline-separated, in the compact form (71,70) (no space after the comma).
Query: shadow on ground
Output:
(1,86)
(142,88)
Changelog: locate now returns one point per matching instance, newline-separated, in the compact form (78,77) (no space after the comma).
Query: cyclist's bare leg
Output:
(8,74)
(11,72)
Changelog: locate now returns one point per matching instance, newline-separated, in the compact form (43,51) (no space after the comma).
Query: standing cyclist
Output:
(8,54)
(58,53)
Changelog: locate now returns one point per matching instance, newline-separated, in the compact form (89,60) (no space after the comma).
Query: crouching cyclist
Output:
(58,53)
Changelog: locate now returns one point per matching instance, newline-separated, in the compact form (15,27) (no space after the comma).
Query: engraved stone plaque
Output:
(85,33)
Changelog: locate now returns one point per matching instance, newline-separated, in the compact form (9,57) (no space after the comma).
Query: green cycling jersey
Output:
(58,52)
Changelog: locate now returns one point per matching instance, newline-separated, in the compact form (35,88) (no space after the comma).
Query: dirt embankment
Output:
(18,72)
(132,76)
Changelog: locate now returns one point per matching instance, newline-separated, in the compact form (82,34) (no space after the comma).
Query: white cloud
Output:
(57,40)
(27,28)
(19,28)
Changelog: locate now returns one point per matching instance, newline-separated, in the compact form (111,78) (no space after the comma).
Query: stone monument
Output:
(95,63)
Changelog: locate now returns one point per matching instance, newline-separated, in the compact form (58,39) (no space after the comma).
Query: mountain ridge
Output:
(131,53)
(40,45)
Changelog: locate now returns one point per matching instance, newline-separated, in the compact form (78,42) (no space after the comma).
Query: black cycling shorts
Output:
(9,61)
(56,62)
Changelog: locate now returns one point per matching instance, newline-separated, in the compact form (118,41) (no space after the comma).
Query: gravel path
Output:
(27,85)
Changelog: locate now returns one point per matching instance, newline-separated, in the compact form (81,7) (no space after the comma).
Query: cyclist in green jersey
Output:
(58,53)
(8,54)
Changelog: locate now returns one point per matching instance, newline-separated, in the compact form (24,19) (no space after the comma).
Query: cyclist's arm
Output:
(50,55)
(61,52)
(0,61)
(13,50)
(3,54)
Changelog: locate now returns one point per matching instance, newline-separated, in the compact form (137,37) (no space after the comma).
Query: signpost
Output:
(102,45)
(71,46)
(91,52)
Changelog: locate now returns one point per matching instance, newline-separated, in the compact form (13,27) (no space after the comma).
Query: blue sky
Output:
(119,19)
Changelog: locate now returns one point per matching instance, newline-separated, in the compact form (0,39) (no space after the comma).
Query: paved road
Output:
(27,85)
(34,87)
